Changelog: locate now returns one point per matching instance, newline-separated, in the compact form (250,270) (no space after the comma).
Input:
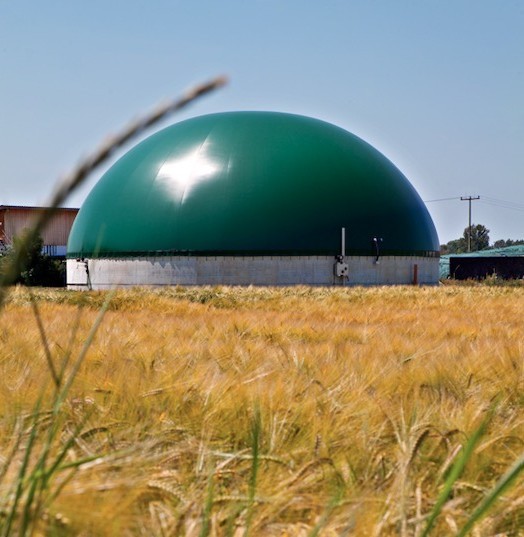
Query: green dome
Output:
(252,183)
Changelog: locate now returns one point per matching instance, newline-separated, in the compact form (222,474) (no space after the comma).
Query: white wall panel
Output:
(263,270)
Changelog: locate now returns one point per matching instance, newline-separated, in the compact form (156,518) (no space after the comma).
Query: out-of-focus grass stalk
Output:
(323,520)
(45,343)
(89,164)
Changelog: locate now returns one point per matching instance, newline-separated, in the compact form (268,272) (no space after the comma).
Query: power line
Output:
(487,200)
(502,203)
(443,199)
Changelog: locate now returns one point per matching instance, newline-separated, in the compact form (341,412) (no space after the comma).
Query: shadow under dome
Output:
(251,183)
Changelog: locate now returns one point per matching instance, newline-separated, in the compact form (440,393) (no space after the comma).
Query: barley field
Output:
(263,411)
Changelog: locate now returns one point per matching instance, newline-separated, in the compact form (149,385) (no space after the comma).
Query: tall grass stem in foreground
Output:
(45,343)
(88,165)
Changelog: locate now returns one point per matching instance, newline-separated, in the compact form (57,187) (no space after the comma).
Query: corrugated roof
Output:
(509,251)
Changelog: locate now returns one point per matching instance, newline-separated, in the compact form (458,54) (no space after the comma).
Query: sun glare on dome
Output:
(181,175)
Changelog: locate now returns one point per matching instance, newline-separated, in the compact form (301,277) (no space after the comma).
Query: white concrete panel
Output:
(248,270)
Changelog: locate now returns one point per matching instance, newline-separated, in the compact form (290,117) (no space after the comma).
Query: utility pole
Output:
(470,199)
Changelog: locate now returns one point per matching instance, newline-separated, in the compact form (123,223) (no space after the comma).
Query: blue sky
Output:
(437,86)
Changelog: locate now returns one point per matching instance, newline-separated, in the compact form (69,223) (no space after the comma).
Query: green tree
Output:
(38,268)
(478,235)
(501,243)
(457,246)
(479,241)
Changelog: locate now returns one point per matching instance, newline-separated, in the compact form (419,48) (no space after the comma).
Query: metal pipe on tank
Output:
(415,274)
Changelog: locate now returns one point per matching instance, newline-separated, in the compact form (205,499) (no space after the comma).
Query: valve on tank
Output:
(341,268)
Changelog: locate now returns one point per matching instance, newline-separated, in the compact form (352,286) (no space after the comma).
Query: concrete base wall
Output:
(264,270)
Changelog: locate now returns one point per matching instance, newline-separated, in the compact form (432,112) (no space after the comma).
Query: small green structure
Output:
(506,252)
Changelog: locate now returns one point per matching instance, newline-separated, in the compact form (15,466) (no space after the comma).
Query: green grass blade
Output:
(43,471)
(208,507)
(456,471)
(35,482)
(74,466)
(11,455)
(21,478)
(256,426)
(502,484)
(46,471)
(319,526)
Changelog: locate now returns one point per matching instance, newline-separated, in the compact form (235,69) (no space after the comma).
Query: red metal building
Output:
(15,218)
